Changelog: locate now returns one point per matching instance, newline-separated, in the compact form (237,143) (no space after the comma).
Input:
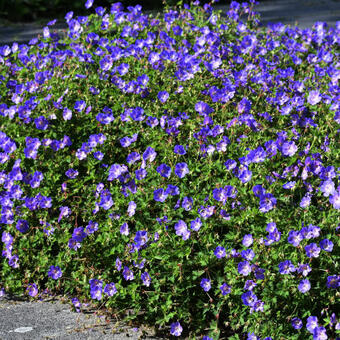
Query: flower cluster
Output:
(191,158)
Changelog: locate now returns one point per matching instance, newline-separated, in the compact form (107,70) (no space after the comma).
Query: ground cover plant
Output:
(182,170)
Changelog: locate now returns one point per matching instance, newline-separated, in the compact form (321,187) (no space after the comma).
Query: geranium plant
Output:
(183,166)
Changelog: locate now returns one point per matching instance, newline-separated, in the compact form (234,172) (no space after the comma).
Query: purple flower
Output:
(225,289)
(248,254)
(118,264)
(128,274)
(326,245)
(219,252)
(143,80)
(141,174)
(333,321)
(106,63)
(141,238)
(319,333)
(312,322)
(79,105)
(98,155)
(73,243)
(55,272)
(247,240)
(115,171)
(205,284)
(286,267)
(181,228)
(163,96)
(96,292)
(327,187)
(257,307)
(289,148)
(245,175)
(95,283)
(244,106)
(294,238)
(312,250)
(22,226)
(187,203)
(304,286)
(196,224)
(252,336)
(297,323)
(304,269)
(203,108)
(258,190)
(7,238)
(186,235)
(89,3)
(76,304)
(249,298)
(179,149)
(274,235)
(206,212)
(67,114)
(244,268)
(164,170)
(177,205)
(110,289)
(48,230)
(335,199)
(91,227)
(13,260)
(123,69)
(220,195)
(41,123)
(289,185)
(230,164)
(224,215)
(106,202)
(146,279)
(160,195)
(314,97)
(267,202)
(149,154)
(132,208)
(256,156)
(36,179)
(64,211)
(124,229)
(79,234)
(250,285)
(181,169)
(32,289)
(68,16)
(305,201)
(32,146)
(333,281)
(133,157)
(176,329)
(105,118)
(71,173)
(172,190)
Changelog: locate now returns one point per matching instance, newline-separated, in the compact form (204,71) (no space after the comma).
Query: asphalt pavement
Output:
(21,319)
(304,13)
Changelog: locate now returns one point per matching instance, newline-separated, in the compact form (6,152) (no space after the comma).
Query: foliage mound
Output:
(185,167)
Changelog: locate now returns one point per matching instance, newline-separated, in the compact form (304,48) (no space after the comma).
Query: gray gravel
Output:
(22,319)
